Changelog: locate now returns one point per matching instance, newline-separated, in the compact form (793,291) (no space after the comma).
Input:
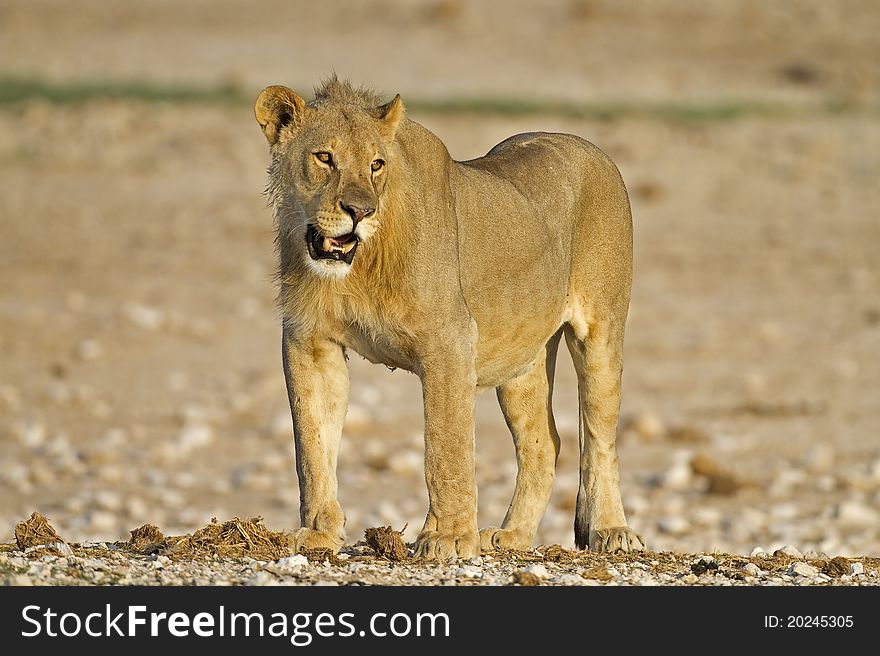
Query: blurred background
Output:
(140,373)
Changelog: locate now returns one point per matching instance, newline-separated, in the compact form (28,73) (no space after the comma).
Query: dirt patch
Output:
(387,543)
(522,577)
(36,531)
(320,555)
(146,539)
(556,554)
(597,574)
(235,538)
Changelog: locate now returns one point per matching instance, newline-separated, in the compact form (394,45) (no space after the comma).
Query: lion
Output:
(466,274)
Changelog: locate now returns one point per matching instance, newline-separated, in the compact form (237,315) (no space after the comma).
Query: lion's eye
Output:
(324,158)
(377,164)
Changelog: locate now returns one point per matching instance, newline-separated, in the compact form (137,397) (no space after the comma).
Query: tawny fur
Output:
(467,274)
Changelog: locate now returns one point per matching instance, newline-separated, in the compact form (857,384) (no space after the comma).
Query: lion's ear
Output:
(276,107)
(391,114)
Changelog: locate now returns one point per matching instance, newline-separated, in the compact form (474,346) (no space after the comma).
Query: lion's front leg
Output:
(317,386)
(450,529)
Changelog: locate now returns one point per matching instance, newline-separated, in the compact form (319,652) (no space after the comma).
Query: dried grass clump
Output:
(387,543)
(236,538)
(146,539)
(36,531)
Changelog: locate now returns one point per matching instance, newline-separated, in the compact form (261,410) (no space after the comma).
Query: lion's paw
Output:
(504,538)
(310,538)
(616,538)
(447,545)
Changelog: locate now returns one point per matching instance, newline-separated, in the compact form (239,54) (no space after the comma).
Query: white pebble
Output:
(800,568)
(569,579)
(292,564)
(789,550)
(538,570)
(469,572)
(407,463)
(262,579)
(107,500)
(31,434)
(143,316)
(101,522)
(674,525)
(855,514)
(750,569)
(89,349)
(195,435)
(856,569)
(281,425)
(648,425)
(357,417)
(708,516)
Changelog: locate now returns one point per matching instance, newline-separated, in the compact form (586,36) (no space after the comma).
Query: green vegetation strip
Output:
(17,90)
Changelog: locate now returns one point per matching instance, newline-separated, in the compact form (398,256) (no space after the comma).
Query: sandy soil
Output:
(140,377)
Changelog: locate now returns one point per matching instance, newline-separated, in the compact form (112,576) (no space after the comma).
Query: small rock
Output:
(32,435)
(790,551)
(673,525)
(648,425)
(64,549)
(522,577)
(750,569)
(107,500)
(143,316)
(477,561)
(856,569)
(194,436)
(568,579)
(758,552)
(292,564)
(679,476)
(262,578)
(800,568)
(407,463)
(538,570)
(812,554)
(855,514)
(468,572)
(88,349)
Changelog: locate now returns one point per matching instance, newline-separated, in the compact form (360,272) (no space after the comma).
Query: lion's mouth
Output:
(340,248)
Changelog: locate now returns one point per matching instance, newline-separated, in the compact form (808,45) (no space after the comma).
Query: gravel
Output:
(112,564)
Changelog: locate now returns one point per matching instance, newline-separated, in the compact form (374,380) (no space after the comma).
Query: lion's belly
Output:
(376,351)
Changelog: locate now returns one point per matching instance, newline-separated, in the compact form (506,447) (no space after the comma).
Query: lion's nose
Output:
(357,213)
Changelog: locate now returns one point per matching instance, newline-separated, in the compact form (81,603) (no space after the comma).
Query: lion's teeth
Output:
(328,244)
(347,246)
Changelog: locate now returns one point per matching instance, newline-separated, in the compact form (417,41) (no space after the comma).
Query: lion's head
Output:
(330,166)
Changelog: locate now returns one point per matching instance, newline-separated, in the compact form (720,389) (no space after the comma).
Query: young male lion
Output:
(464,273)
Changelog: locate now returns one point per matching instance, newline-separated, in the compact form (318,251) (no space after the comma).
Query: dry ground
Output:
(140,379)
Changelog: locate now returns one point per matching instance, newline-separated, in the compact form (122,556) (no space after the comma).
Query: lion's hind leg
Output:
(600,523)
(526,404)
